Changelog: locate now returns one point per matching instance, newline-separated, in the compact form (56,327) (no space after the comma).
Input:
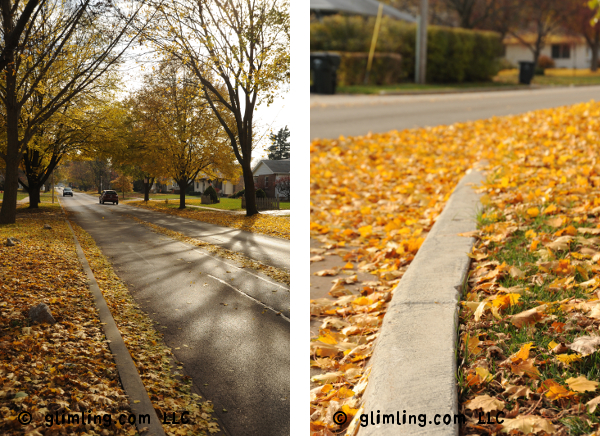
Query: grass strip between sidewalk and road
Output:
(275,226)
(530,318)
(378,196)
(277,274)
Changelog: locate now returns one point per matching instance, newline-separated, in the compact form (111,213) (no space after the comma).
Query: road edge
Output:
(413,369)
(131,381)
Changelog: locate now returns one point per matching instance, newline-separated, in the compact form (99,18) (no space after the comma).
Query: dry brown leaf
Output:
(515,392)
(530,424)
(528,317)
(485,403)
(592,404)
(585,345)
(327,272)
(516,273)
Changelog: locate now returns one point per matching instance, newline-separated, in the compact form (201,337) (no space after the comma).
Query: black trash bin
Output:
(323,72)
(526,72)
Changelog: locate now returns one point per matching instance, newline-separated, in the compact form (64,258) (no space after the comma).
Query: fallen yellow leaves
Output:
(537,233)
(534,270)
(51,368)
(278,227)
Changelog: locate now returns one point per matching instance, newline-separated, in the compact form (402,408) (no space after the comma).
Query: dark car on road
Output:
(109,196)
(67,191)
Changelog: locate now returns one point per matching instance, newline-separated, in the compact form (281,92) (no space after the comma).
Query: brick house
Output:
(268,173)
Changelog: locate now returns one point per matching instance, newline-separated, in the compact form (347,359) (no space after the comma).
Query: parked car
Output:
(67,191)
(110,196)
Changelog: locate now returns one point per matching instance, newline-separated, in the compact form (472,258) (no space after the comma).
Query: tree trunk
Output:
(182,188)
(8,213)
(34,196)
(594,65)
(147,186)
(249,191)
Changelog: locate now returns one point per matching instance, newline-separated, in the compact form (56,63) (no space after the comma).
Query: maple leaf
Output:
(528,425)
(581,384)
(568,358)
(528,317)
(330,377)
(485,403)
(517,392)
(555,390)
(525,368)
(585,345)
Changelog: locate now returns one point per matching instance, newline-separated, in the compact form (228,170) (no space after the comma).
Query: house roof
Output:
(530,38)
(359,7)
(277,166)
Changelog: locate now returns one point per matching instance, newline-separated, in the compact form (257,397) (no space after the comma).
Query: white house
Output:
(223,188)
(565,51)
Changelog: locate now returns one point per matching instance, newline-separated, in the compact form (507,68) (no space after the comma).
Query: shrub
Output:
(210,191)
(386,68)
(239,194)
(260,193)
(453,55)
(505,64)
(545,62)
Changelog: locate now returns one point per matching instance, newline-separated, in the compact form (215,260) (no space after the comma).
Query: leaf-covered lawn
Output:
(278,227)
(68,367)
(377,196)
(43,368)
(531,315)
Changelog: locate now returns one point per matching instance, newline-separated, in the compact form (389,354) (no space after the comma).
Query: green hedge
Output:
(385,70)
(453,54)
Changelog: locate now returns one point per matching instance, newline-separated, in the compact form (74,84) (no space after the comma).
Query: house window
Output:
(267,181)
(561,51)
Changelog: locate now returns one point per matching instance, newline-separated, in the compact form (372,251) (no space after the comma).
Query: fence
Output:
(205,199)
(263,203)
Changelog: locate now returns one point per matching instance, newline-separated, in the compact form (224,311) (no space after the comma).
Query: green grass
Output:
(515,251)
(415,87)
(225,204)
(20,195)
(229,204)
(513,79)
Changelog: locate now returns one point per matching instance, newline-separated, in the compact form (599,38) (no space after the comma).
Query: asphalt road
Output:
(223,319)
(332,116)
(268,250)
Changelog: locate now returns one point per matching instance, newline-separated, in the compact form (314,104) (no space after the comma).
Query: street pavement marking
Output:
(252,298)
(241,269)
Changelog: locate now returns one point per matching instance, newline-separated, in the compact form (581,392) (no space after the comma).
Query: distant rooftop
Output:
(277,166)
(358,7)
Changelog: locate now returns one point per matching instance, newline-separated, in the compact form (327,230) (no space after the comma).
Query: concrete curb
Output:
(413,369)
(130,378)
(463,91)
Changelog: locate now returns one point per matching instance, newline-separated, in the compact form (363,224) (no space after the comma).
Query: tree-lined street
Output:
(221,321)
